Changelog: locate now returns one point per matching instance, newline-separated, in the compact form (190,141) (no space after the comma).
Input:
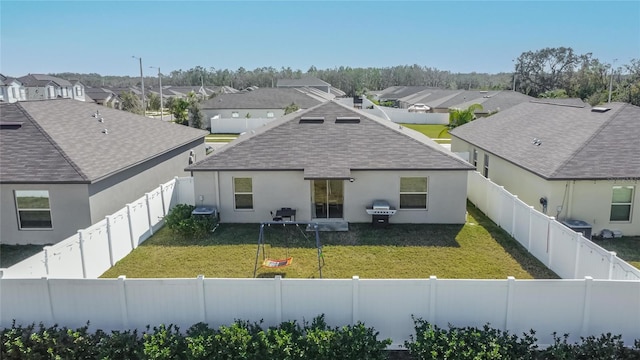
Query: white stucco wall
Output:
(69,212)
(276,189)
(585,200)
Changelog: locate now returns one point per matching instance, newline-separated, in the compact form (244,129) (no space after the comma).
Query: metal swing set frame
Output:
(278,263)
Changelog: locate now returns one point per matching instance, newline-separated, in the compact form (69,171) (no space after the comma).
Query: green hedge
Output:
(290,340)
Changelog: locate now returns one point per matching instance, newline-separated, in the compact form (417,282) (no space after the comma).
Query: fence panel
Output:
(331,297)
(521,227)
(139,220)
(185,192)
(120,235)
(615,307)
(477,190)
(563,249)
(26,301)
(624,271)
(228,298)
(31,267)
(156,213)
(506,209)
(493,202)
(95,248)
(64,259)
(470,302)
(539,236)
(593,261)
(168,195)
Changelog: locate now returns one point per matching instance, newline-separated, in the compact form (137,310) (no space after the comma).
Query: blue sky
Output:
(458,36)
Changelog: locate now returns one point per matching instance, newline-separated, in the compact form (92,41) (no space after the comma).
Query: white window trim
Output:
(235,206)
(18,210)
(235,114)
(485,168)
(630,204)
(426,195)
(474,158)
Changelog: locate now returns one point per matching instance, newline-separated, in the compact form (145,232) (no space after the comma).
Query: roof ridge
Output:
(53,143)
(585,143)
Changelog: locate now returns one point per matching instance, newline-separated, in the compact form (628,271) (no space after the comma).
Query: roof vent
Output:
(10,125)
(536,142)
(105,131)
(97,113)
(348,120)
(311,120)
(101,120)
(600,109)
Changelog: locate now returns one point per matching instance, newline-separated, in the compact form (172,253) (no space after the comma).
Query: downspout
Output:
(217,180)
(570,199)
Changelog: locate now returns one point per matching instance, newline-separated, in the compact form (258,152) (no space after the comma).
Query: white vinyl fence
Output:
(92,251)
(566,252)
(578,307)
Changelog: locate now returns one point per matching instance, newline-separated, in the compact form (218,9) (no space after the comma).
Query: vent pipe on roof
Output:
(600,109)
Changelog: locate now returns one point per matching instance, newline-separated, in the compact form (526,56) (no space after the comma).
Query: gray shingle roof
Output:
(264,98)
(304,81)
(576,143)
(79,142)
(98,93)
(330,149)
(41,80)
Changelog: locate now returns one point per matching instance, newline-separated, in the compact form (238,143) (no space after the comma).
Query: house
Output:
(103,96)
(330,162)
(570,161)
(11,90)
(40,87)
(310,82)
(78,92)
(246,110)
(67,164)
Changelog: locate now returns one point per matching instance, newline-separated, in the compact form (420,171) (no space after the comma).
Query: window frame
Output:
(236,193)
(235,114)
(425,193)
(270,115)
(629,204)
(485,170)
(474,158)
(19,210)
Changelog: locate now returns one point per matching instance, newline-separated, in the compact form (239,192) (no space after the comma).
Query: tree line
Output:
(549,72)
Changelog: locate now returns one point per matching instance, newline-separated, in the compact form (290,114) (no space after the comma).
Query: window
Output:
(243,193)
(13,93)
(413,193)
(34,210)
(78,91)
(235,114)
(475,158)
(621,201)
(270,114)
(486,166)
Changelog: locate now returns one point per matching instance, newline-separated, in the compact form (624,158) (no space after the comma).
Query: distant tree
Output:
(458,117)
(154,102)
(291,108)
(554,94)
(131,102)
(196,115)
(178,109)
(547,69)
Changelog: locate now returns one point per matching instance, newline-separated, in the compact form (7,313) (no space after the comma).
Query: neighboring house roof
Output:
(263,98)
(330,149)
(61,141)
(304,81)
(39,80)
(574,141)
(398,92)
(98,93)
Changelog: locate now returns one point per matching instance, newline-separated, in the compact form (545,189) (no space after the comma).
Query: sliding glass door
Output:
(328,198)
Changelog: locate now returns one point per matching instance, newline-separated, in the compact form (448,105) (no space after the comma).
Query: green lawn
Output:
(477,249)
(13,254)
(626,247)
(432,131)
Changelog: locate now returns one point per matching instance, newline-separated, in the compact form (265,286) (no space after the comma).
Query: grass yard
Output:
(479,249)
(626,247)
(13,254)
(432,131)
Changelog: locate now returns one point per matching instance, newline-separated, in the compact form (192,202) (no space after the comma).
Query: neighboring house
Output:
(11,90)
(246,110)
(78,92)
(41,87)
(67,164)
(310,82)
(330,163)
(102,96)
(573,162)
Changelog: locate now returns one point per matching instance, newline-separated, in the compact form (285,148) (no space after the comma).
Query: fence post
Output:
(124,312)
(164,209)
(577,264)
(109,240)
(82,260)
(278,284)
(46,250)
(499,219)
(612,258)
(550,240)
(133,242)
(355,290)
(513,216)
(146,199)
(432,299)
(511,281)
(47,283)
(586,309)
(201,299)
(530,228)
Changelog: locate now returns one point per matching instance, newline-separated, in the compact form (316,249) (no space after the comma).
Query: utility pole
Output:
(161,100)
(144,105)
(611,80)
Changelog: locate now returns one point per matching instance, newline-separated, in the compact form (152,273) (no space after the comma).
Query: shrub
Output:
(180,221)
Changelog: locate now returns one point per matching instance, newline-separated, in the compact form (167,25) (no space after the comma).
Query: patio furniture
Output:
(286,213)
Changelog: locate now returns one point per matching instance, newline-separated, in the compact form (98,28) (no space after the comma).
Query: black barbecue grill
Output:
(380,212)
